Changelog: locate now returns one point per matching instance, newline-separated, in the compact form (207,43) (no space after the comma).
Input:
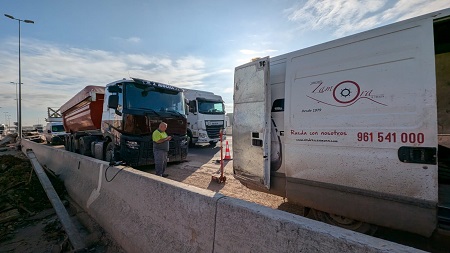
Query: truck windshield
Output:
(210,107)
(157,100)
(58,128)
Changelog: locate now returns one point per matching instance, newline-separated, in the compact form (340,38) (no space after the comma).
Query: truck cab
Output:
(116,122)
(132,110)
(206,117)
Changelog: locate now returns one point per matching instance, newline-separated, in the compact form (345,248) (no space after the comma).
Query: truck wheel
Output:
(344,222)
(69,144)
(109,152)
(66,143)
(190,143)
(72,145)
(85,147)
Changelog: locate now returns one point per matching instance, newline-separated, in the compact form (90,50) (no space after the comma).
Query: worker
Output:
(161,149)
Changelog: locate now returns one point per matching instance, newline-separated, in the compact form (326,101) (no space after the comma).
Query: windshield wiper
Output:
(176,112)
(148,109)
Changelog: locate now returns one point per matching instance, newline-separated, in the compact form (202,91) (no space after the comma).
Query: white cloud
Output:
(51,74)
(350,16)
(229,90)
(134,39)
(405,9)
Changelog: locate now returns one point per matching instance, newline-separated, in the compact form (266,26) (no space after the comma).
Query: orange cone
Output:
(227,153)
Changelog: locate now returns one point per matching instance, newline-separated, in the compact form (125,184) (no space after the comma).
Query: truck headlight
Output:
(132,144)
(202,135)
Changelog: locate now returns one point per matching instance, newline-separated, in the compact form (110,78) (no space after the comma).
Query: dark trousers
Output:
(160,161)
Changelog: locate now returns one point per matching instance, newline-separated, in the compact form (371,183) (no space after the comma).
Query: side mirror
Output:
(113,101)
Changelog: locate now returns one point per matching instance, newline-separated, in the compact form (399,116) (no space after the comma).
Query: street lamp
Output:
(19,103)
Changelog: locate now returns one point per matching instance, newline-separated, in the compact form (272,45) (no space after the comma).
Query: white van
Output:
(357,129)
(54,133)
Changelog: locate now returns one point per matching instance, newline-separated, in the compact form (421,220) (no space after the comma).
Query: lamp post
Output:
(9,120)
(19,103)
(5,116)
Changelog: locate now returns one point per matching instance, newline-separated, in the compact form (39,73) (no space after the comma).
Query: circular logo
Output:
(346,92)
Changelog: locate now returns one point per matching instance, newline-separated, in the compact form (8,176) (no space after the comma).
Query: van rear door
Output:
(251,127)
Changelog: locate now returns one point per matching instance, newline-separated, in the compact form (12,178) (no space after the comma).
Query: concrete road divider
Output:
(142,212)
(247,227)
(146,213)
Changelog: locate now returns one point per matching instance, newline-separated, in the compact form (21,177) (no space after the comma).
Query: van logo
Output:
(345,93)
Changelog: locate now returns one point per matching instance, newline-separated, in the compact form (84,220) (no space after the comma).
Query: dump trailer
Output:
(206,117)
(356,130)
(116,122)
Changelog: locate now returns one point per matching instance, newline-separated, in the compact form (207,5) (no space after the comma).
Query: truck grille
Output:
(213,131)
(144,155)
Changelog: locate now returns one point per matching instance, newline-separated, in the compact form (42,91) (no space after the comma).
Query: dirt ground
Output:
(28,222)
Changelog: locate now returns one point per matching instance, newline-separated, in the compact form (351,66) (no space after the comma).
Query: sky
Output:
(189,44)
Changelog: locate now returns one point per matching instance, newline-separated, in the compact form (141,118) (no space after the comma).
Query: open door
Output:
(251,127)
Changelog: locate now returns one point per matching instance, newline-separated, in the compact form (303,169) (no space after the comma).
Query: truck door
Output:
(251,128)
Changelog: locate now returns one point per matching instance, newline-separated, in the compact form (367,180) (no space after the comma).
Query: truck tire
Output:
(73,146)
(69,143)
(85,146)
(109,152)
(190,143)
(66,143)
(343,222)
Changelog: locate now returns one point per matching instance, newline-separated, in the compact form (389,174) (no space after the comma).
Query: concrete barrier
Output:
(254,228)
(142,212)
(146,213)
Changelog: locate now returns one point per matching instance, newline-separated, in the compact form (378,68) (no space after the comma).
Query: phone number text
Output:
(391,137)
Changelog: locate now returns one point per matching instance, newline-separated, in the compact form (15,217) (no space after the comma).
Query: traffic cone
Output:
(227,153)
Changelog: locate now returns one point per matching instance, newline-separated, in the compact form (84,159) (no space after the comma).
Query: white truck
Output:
(53,130)
(356,130)
(2,129)
(205,118)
